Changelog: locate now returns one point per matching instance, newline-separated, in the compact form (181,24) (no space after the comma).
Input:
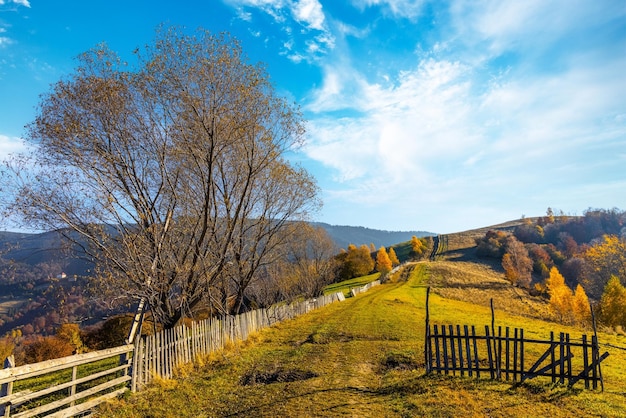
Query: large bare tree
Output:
(170,172)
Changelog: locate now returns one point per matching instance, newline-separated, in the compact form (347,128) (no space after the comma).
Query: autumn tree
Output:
(169,173)
(356,262)
(580,306)
(516,263)
(308,266)
(383,262)
(417,247)
(613,303)
(70,333)
(393,257)
(561,297)
(7,345)
(603,260)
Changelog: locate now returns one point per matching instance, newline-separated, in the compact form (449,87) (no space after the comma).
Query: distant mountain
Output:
(358,235)
(45,248)
(35,249)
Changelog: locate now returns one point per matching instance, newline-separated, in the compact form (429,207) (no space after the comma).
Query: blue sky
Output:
(422,115)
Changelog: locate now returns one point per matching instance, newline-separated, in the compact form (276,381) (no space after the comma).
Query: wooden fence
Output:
(450,349)
(454,349)
(159,354)
(73,385)
(65,386)
(356,290)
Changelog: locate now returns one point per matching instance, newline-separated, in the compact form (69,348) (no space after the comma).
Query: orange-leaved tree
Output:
(604,260)
(580,306)
(393,257)
(561,297)
(613,303)
(383,262)
(417,247)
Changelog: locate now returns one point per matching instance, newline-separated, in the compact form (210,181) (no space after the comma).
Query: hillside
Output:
(345,235)
(47,250)
(365,357)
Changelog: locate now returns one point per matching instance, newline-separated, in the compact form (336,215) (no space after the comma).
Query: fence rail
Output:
(65,386)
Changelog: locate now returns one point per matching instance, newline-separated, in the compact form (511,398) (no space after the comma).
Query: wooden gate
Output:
(452,349)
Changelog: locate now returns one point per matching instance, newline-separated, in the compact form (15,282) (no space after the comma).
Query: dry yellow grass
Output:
(480,283)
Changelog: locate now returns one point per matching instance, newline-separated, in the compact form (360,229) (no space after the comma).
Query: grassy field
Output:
(364,358)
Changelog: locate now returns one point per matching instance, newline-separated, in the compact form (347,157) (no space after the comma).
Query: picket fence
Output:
(356,290)
(74,385)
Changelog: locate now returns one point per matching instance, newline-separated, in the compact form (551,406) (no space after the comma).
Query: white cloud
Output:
(10,145)
(309,17)
(24,3)
(401,8)
(310,12)
(438,137)
(4,41)
(528,25)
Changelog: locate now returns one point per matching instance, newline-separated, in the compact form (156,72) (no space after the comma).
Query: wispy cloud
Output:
(299,19)
(484,115)
(10,145)
(399,8)
(24,3)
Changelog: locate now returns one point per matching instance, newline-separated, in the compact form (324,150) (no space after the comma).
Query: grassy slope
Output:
(364,357)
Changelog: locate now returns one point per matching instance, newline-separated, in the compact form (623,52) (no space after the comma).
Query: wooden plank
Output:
(36,369)
(80,395)
(468,355)
(489,353)
(561,358)
(569,356)
(460,346)
(531,371)
(515,348)
(552,359)
(499,355)
(521,352)
(475,352)
(87,406)
(585,372)
(452,349)
(20,397)
(444,348)
(548,368)
(437,357)
(507,353)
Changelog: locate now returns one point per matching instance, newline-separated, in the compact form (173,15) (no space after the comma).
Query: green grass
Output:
(364,357)
(346,285)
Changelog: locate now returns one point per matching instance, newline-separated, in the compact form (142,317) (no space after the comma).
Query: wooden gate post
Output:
(427,352)
(7,388)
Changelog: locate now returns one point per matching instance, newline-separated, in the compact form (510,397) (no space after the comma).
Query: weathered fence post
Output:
(427,351)
(7,388)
